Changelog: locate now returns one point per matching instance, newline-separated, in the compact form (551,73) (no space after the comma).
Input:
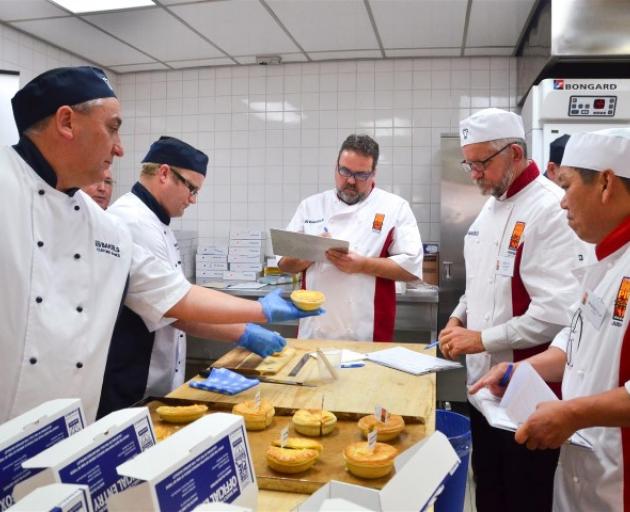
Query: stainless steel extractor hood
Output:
(574,39)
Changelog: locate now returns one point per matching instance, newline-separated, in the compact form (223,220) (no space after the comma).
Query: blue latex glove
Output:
(277,309)
(260,340)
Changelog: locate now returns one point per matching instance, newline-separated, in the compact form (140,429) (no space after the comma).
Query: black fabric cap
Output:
(172,151)
(43,95)
(556,149)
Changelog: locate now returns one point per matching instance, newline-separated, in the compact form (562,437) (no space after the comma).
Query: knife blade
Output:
(300,364)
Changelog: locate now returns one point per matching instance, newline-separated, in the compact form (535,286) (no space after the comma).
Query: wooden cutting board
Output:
(247,362)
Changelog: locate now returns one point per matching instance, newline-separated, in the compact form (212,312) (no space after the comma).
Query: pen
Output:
(352,365)
(506,376)
(431,345)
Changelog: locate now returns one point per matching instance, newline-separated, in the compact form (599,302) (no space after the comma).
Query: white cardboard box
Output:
(235,258)
(91,456)
(252,244)
(213,274)
(221,507)
(420,473)
(240,276)
(212,250)
(247,234)
(210,258)
(251,252)
(246,267)
(31,433)
(56,498)
(207,461)
(211,265)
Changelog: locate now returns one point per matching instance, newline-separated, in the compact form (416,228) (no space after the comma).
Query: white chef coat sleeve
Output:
(406,249)
(154,287)
(460,311)
(562,339)
(546,263)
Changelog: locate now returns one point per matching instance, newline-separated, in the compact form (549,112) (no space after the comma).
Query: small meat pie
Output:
(256,418)
(181,413)
(314,422)
(288,460)
(384,431)
(299,443)
(362,462)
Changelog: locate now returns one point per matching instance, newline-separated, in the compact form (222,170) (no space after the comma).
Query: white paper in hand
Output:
(526,390)
(303,246)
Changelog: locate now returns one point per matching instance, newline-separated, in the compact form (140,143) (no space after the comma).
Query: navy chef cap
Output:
(172,151)
(43,95)
(556,149)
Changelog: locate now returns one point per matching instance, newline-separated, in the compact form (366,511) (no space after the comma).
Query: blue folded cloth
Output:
(225,382)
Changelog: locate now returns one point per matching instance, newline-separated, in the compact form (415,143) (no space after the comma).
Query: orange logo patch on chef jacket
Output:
(621,302)
(377,223)
(517,233)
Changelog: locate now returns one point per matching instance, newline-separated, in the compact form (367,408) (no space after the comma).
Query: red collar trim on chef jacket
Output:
(614,240)
(530,173)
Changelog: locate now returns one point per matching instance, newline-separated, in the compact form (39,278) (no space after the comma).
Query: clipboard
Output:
(303,246)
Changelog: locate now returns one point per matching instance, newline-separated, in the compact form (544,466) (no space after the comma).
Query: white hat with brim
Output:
(600,151)
(490,124)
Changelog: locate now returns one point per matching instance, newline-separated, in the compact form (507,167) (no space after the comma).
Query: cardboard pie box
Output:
(91,456)
(207,461)
(423,468)
(31,433)
(56,498)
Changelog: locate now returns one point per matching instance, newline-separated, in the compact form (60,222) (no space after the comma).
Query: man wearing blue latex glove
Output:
(261,341)
(277,309)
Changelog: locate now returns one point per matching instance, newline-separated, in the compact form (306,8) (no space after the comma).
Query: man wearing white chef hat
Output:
(592,355)
(66,264)
(518,253)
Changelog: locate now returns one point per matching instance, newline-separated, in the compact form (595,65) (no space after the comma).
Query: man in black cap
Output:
(66,265)
(556,150)
(147,359)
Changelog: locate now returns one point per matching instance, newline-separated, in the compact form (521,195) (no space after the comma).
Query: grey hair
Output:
(499,143)
(83,108)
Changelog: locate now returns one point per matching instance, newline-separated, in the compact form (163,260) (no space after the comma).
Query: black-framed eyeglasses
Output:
(359,175)
(192,188)
(480,165)
(575,336)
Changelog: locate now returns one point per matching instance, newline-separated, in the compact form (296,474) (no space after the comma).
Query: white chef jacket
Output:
(598,360)
(519,288)
(168,357)
(358,306)
(64,265)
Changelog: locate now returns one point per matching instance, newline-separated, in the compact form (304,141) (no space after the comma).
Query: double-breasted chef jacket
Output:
(598,360)
(64,265)
(358,306)
(145,358)
(519,253)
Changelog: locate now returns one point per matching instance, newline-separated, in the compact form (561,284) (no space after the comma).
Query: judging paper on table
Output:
(406,360)
(303,246)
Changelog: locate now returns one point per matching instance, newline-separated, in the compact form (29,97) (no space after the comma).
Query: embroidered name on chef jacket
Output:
(505,263)
(621,302)
(107,248)
(377,223)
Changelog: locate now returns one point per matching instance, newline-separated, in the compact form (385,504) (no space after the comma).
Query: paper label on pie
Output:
(257,399)
(284,435)
(381,413)
(371,437)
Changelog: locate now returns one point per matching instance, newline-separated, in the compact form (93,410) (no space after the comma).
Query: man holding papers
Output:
(518,252)
(385,247)
(592,356)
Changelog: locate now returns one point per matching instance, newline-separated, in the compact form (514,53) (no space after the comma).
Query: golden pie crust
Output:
(299,443)
(181,413)
(314,422)
(288,460)
(362,462)
(384,431)
(256,418)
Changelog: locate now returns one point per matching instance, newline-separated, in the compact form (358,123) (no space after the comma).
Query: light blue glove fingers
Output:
(277,309)
(260,340)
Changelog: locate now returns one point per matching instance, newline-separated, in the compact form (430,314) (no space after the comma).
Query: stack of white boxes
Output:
(187,245)
(245,256)
(211,262)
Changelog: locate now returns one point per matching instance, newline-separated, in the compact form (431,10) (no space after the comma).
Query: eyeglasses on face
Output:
(192,188)
(108,182)
(480,165)
(359,175)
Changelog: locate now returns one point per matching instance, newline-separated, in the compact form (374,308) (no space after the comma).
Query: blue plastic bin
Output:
(457,428)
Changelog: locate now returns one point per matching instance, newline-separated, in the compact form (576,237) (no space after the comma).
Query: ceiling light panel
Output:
(420,24)
(324,25)
(82,39)
(156,32)
(240,27)
(83,6)
(497,22)
(28,9)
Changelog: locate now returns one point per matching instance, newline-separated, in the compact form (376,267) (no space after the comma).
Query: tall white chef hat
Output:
(490,124)
(600,150)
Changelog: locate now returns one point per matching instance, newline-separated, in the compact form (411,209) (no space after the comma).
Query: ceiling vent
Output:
(268,60)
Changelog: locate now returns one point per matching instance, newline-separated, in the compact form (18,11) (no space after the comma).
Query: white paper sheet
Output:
(303,246)
(406,360)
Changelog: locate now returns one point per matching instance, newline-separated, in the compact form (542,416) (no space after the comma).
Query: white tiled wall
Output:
(273,132)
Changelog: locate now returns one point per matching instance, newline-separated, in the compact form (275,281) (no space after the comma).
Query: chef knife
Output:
(206,372)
